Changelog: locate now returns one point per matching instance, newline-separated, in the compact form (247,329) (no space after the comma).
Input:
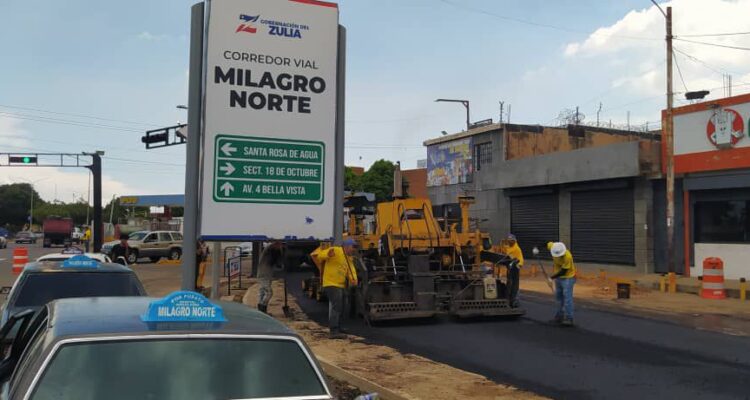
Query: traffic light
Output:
(22,160)
(152,138)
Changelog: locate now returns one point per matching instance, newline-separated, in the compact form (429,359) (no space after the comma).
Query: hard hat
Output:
(558,249)
(510,237)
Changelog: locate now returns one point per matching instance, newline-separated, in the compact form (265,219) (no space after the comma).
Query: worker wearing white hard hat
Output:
(564,275)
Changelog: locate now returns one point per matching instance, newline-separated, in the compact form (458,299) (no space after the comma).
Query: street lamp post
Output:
(464,102)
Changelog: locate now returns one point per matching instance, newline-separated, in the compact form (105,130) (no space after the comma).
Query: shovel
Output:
(544,272)
(287,311)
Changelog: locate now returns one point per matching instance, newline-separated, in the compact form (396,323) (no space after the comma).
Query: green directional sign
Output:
(264,170)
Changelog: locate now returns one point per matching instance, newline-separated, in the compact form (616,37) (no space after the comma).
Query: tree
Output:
(352,181)
(378,179)
(15,204)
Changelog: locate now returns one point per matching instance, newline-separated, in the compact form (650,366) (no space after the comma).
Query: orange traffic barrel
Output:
(713,279)
(20,258)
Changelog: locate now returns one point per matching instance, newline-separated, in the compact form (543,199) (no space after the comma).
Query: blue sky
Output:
(125,63)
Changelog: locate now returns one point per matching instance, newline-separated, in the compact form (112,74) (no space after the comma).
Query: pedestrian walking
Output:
(338,275)
(271,258)
(564,276)
(511,248)
(120,251)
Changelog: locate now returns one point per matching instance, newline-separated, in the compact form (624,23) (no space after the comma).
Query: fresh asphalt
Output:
(607,356)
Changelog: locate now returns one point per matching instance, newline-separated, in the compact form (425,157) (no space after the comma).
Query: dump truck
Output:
(57,230)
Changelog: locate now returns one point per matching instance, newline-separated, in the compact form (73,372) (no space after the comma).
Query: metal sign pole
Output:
(192,165)
(338,212)
(216,271)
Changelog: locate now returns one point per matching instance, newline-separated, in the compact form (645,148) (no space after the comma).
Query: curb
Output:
(361,383)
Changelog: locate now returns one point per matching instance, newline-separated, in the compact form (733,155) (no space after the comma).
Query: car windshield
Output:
(137,235)
(40,289)
(185,369)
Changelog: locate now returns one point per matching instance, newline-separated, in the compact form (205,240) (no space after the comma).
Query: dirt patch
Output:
(408,375)
(342,390)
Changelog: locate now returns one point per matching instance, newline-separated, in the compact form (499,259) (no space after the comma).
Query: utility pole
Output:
(502,103)
(669,142)
(96,170)
(598,112)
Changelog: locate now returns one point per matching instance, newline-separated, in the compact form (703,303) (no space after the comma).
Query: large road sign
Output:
(260,170)
(269,135)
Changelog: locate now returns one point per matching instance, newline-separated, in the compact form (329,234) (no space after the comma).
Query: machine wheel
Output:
(175,254)
(133,257)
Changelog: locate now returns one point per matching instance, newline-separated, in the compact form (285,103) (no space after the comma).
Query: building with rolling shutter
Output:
(712,188)
(589,187)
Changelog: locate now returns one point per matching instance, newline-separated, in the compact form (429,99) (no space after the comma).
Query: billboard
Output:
(269,134)
(450,163)
(712,135)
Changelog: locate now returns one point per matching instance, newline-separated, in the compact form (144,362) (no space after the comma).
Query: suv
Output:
(151,244)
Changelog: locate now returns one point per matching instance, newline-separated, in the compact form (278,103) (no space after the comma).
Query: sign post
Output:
(270,113)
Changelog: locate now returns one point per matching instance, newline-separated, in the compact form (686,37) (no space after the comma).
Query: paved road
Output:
(608,356)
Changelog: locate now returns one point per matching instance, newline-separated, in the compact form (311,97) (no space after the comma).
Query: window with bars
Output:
(482,155)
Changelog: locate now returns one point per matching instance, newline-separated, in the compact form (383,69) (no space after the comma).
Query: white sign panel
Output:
(270,114)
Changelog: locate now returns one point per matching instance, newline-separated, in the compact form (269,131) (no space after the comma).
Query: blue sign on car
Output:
(183,306)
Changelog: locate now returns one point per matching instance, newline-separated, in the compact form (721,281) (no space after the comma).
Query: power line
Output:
(679,72)
(49,120)
(713,44)
(532,23)
(699,61)
(79,115)
(713,34)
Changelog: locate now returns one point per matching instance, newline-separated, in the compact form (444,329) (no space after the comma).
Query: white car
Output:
(103,258)
(3,242)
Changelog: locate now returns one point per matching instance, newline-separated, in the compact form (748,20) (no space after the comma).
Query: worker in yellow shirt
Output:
(510,248)
(87,239)
(564,275)
(338,275)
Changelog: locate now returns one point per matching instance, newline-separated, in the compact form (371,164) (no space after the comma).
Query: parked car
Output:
(147,348)
(77,235)
(3,242)
(74,251)
(151,244)
(25,237)
(43,281)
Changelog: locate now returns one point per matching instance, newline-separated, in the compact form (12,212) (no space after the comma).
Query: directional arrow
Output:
(227,149)
(227,188)
(227,168)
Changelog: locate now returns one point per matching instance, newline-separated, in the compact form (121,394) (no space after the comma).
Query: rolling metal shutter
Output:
(601,224)
(534,220)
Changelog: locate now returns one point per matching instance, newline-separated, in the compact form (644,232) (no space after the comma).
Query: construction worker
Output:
(564,275)
(272,257)
(201,259)
(86,239)
(338,275)
(510,248)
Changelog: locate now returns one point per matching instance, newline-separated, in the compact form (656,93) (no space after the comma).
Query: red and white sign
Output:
(712,135)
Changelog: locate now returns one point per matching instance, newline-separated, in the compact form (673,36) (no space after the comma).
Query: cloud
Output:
(638,38)
(64,184)
(150,37)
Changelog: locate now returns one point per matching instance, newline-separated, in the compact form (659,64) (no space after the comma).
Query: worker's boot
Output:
(336,334)
(556,320)
(567,322)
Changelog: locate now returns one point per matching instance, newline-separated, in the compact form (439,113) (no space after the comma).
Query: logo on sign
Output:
(247,23)
(725,128)
(275,28)
(183,306)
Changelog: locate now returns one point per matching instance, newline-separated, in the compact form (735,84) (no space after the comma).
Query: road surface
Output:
(607,356)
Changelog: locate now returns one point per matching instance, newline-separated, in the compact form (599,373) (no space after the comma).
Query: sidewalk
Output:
(730,316)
